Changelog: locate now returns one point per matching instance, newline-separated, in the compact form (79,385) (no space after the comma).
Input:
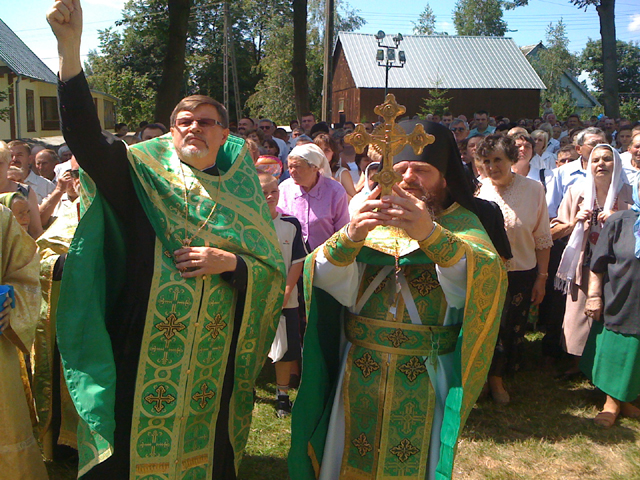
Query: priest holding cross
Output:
(403,307)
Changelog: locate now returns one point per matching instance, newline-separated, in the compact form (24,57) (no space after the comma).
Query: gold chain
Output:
(187,241)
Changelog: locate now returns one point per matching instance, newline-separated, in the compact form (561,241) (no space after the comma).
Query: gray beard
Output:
(185,153)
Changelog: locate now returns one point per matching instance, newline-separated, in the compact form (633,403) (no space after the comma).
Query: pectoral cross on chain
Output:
(389,139)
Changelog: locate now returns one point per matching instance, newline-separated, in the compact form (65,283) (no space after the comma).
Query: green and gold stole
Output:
(188,331)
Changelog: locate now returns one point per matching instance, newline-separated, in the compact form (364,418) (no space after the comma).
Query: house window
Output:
(49,113)
(31,114)
(341,105)
(109,115)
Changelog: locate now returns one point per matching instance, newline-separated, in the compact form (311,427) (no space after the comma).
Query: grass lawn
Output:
(545,433)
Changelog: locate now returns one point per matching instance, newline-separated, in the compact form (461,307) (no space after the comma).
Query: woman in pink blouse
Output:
(582,213)
(318,202)
(526,221)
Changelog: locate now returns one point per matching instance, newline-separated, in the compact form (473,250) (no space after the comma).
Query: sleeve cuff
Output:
(443,247)
(238,278)
(340,250)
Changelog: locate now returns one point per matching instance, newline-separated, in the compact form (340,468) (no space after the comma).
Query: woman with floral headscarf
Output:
(611,358)
(582,213)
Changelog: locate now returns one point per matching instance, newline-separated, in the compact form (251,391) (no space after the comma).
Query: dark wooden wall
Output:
(513,104)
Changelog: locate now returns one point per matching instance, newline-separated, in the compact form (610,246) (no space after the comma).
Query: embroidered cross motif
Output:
(412,368)
(397,338)
(154,434)
(215,326)
(408,418)
(170,326)
(362,444)
(203,396)
(424,283)
(404,450)
(160,398)
(367,365)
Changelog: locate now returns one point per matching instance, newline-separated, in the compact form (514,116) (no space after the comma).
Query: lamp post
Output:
(390,56)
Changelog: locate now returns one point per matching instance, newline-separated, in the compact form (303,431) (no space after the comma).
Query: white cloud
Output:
(634,26)
(444,27)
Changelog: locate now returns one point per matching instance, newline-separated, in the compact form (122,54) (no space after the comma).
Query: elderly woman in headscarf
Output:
(611,358)
(582,213)
(319,203)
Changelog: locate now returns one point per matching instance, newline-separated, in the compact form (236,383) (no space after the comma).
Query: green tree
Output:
(630,109)
(550,63)
(4,111)
(274,94)
(628,59)
(426,24)
(436,103)
(479,17)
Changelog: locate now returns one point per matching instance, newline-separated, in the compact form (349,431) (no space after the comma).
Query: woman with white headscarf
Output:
(582,213)
(310,194)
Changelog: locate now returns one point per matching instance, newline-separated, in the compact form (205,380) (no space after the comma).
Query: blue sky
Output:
(27,19)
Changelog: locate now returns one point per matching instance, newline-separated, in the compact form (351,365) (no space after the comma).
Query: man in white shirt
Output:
(572,172)
(21,158)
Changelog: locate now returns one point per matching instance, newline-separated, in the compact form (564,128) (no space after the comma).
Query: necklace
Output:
(187,240)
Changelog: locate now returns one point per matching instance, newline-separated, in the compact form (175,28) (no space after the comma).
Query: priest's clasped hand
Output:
(402,210)
(195,261)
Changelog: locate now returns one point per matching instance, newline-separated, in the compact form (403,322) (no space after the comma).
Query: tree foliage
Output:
(479,17)
(426,24)
(4,111)
(129,62)
(274,93)
(550,63)
(628,55)
(437,102)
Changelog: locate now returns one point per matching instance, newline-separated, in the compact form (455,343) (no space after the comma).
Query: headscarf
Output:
(443,154)
(6,199)
(269,164)
(313,155)
(636,226)
(569,263)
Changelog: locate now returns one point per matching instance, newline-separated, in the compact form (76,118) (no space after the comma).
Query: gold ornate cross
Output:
(389,139)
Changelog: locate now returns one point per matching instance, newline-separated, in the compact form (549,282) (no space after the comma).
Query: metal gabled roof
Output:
(20,59)
(442,61)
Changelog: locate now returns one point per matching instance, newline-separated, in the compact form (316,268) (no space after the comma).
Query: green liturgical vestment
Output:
(189,322)
(407,366)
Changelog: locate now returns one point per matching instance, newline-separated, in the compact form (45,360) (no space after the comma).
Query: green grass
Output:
(546,433)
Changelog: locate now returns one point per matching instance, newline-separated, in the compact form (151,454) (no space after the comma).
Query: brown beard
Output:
(435,200)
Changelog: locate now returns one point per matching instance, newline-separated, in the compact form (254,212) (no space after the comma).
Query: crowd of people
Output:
(145,276)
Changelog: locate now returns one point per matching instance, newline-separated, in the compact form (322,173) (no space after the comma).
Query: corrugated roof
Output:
(442,61)
(20,59)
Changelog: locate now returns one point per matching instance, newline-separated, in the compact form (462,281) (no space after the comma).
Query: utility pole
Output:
(230,52)
(328,60)
(225,55)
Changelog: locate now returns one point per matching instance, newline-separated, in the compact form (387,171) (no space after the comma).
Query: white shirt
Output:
(40,185)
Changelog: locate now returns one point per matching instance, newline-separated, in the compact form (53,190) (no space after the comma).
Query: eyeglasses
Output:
(458,129)
(200,122)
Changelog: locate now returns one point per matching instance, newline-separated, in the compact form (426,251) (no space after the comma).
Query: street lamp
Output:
(390,56)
